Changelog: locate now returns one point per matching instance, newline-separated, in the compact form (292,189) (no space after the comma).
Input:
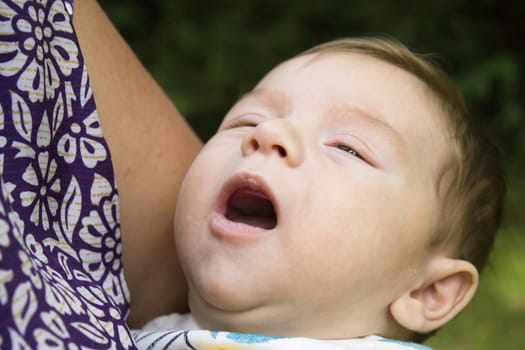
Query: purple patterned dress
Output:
(61,278)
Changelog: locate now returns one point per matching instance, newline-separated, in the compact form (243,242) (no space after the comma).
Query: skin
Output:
(151,148)
(348,149)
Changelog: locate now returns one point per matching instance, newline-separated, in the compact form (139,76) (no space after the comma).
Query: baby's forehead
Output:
(345,73)
(344,66)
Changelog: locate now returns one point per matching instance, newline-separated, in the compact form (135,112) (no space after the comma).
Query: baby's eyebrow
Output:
(274,99)
(360,115)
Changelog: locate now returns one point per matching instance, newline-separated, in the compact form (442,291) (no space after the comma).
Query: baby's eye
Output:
(240,123)
(249,120)
(349,150)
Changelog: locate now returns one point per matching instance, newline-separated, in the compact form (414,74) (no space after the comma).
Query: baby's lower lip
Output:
(226,229)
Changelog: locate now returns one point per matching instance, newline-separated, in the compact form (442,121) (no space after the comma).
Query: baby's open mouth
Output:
(251,208)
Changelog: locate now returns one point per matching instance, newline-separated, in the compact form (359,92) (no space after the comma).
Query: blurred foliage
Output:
(207,53)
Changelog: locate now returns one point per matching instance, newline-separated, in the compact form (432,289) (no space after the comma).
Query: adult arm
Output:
(151,148)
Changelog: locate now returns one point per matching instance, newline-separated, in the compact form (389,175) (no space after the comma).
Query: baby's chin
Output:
(272,322)
(235,318)
(225,315)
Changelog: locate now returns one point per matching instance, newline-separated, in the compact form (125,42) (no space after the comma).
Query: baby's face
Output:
(312,207)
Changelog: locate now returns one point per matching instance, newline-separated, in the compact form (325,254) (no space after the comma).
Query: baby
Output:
(347,195)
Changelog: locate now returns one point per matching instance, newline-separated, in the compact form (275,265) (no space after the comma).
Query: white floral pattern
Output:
(45,185)
(61,277)
(81,139)
(42,50)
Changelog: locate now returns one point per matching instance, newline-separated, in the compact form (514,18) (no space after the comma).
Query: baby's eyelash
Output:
(240,123)
(349,150)
(245,120)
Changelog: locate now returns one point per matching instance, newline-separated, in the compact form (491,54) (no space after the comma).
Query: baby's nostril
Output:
(254,144)
(280,150)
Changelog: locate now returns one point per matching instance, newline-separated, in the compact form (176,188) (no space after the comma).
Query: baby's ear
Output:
(449,286)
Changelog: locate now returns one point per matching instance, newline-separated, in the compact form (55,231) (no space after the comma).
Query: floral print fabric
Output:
(61,277)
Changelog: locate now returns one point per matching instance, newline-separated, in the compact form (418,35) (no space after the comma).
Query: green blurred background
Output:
(206,53)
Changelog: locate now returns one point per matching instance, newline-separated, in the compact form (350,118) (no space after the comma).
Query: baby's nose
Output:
(275,137)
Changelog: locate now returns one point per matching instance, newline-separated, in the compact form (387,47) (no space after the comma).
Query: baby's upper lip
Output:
(248,183)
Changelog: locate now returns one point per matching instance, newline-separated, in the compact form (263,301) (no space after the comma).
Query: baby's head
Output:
(348,194)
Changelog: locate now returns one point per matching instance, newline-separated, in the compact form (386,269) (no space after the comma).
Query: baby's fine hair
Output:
(471,186)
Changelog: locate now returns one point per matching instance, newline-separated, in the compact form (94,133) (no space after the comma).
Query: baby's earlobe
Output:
(448,288)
